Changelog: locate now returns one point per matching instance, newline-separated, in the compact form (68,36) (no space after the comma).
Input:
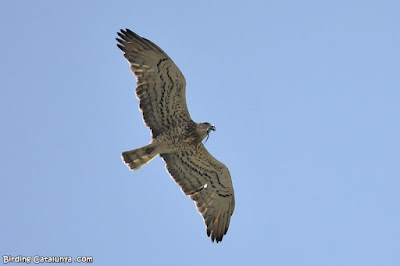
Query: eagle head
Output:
(204,129)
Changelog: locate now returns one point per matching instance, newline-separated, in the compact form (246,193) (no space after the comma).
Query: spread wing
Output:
(208,182)
(160,84)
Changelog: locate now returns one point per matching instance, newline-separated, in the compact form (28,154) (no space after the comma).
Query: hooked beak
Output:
(212,127)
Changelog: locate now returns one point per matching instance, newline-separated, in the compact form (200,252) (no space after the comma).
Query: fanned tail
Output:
(135,159)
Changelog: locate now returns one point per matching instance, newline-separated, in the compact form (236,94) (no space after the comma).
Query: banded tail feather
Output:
(135,159)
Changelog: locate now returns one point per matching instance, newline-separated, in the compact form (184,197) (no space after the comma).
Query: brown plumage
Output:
(176,137)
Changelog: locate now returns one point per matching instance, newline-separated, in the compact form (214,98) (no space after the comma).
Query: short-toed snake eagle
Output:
(175,136)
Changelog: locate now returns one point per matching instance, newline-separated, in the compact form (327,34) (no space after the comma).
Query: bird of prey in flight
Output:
(175,136)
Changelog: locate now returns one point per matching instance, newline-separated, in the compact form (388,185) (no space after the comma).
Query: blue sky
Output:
(305,96)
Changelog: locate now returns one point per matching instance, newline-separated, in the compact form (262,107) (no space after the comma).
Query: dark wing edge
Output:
(160,84)
(208,182)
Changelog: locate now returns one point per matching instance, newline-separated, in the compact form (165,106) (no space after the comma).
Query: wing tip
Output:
(215,234)
(217,228)
(120,46)
(216,238)
(127,34)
